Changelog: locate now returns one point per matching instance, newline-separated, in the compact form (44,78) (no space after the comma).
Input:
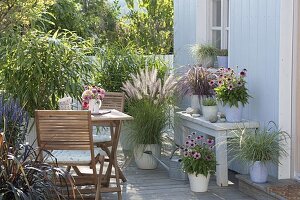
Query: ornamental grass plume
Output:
(146,85)
(196,81)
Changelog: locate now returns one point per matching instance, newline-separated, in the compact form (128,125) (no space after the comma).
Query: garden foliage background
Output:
(51,48)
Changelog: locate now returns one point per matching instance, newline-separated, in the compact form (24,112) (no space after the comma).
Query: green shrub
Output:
(42,67)
(116,63)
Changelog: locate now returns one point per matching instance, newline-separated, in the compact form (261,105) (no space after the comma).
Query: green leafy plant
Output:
(230,87)
(196,81)
(222,52)
(40,68)
(149,25)
(116,62)
(209,102)
(198,155)
(261,145)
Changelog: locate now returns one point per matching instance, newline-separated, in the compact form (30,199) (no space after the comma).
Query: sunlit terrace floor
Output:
(156,185)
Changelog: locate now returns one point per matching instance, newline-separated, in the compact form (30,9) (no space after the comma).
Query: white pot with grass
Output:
(205,54)
(209,109)
(146,160)
(258,147)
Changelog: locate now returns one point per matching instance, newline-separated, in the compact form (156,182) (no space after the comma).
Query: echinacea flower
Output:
(197,156)
(186,154)
(211,83)
(210,142)
(193,133)
(220,82)
(230,87)
(243,73)
(189,137)
(239,83)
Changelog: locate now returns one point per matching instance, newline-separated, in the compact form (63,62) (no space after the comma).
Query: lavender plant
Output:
(14,121)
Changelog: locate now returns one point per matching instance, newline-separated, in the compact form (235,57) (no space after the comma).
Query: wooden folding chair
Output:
(112,100)
(68,135)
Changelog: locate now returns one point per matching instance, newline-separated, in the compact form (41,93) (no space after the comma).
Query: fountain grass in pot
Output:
(149,98)
(195,82)
(258,148)
(198,161)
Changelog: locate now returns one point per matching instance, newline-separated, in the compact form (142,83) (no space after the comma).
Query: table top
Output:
(219,126)
(113,115)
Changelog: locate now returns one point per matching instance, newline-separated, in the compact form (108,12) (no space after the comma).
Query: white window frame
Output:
(224,22)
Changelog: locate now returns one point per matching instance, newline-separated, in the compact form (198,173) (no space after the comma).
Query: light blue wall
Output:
(254,44)
(184,31)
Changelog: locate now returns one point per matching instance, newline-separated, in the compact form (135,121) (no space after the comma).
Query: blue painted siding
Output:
(184,31)
(254,44)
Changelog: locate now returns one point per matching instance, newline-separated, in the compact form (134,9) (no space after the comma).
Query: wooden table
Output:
(220,131)
(112,119)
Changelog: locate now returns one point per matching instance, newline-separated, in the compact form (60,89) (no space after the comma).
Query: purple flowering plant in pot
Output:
(198,161)
(231,90)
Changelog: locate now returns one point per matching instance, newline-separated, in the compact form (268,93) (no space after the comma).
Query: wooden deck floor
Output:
(156,185)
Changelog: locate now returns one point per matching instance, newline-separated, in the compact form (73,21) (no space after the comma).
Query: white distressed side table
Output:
(185,123)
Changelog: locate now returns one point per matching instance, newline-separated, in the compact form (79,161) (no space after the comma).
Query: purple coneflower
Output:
(187,142)
(211,83)
(239,83)
(192,144)
(193,133)
(242,73)
(94,90)
(186,154)
(244,70)
(197,156)
(210,142)
(230,87)
(189,137)
(198,137)
(220,82)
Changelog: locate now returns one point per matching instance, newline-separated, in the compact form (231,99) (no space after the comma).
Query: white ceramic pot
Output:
(199,183)
(258,172)
(195,104)
(146,161)
(209,112)
(233,113)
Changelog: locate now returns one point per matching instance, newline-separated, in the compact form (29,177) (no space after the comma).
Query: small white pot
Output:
(199,183)
(146,161)
(258,172)
(209,112)
(233,113)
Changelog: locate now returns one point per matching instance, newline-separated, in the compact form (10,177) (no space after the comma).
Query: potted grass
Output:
(198,161)
(148,98)
(258,149)
(205,54)
(195,82)
(210,109)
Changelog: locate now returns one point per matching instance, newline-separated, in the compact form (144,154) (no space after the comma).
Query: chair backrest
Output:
(64,130)
(114,100)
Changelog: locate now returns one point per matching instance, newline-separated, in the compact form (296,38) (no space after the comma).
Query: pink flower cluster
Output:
(91,92)
(195,147)
(227,77)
